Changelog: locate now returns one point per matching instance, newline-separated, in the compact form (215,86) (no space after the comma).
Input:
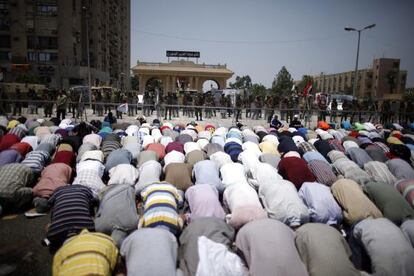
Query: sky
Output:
(258,37)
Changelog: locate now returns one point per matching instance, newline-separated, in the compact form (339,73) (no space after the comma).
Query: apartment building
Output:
(47,41)
(383,81)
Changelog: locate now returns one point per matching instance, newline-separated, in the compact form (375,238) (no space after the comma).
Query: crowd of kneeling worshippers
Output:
(190,199)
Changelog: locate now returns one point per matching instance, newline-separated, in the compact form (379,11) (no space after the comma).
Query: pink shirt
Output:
(204,202)
(53,176)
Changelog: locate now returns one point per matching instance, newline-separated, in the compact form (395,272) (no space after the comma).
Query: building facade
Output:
(191,74)
(46,41)
(384,81)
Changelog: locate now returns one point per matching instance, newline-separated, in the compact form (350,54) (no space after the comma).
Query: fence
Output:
(308,116)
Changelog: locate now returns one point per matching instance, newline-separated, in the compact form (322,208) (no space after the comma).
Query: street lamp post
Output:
(349,29)
(88,60)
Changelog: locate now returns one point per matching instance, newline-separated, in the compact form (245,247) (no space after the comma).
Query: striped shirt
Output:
(323,172)
(161,201)
(18,131)
(406,188)
(14,179)
(380,172)
(306,147)
(36,160)
(71,211)
(86,254)
(52,139)
(110,146)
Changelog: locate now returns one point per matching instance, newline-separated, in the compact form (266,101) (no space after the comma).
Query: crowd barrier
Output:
(7,106)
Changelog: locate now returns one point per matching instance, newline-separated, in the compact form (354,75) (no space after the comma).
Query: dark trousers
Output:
(199,114)
(61,112)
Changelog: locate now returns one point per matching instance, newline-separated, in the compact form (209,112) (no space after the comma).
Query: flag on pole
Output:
(293,88)
(123,108)
(307,90)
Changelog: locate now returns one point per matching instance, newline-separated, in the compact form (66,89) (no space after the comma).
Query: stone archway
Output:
(208,85)
(193,74)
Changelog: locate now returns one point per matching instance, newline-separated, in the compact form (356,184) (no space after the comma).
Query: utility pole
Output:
(88,55)
(349,29)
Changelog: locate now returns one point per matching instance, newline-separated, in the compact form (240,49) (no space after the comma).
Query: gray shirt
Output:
(150,251)
(262,241)
(390,252)
(212,228)
(324,251)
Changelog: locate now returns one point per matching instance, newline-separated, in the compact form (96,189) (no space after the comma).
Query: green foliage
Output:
(134,83)
(282,83)
(152,84)
(259,89)
(244,82)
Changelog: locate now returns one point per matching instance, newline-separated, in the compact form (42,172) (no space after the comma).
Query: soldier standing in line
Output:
(17,107)
(199,102)
(269,108)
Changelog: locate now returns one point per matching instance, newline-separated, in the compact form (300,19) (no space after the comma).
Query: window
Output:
(45,57)
(31,42)
(46,9)
(4,7)
(31,56)
(4,41)
(4,24)
(4,55)
(30,25)
(47,42)
(396,64)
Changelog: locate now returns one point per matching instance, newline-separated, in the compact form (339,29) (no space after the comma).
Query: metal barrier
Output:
(8,106)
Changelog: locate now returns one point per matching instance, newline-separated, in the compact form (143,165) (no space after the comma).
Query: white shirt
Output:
(234,139)
(93,155)
(204,134)
(298,139)
(156,133)
(33,141)
(132,130)
(91,165)
(146,140)
(202,143)
(221,131)
(220,158)
(173,157)
(237,196)
(218,140)
(165,140)
(191,146)
(129,140)
(266,174)
(253,147)
(250,161)
(92,138)
(232,174)
(282,202)
(123,174)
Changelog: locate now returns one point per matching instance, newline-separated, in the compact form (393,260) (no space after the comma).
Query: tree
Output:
(302,84)
(244,82)
(282,83)
(259,89)
(152,84)
(134,83)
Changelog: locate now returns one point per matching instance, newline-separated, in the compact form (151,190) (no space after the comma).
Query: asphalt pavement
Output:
(21,252)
